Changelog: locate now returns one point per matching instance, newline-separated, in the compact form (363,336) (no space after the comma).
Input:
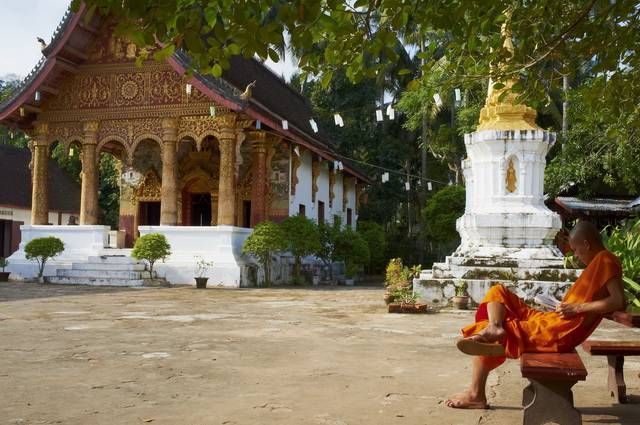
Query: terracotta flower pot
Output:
(460,302)
(201,282)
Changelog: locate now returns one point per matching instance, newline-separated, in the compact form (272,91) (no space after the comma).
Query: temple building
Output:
(202,159)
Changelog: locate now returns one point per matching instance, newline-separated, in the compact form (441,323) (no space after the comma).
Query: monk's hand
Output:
(568,311)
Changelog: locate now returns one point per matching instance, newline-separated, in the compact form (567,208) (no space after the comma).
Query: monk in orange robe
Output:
(506,327)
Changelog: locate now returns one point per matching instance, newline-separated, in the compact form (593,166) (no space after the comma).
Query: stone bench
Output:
(548,397)
(616,352)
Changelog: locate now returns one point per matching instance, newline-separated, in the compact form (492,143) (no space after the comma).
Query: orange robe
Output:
(530,330)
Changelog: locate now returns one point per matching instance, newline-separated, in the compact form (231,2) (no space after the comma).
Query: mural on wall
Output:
(279,184)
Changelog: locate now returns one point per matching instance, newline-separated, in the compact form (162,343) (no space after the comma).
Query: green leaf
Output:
(216,70)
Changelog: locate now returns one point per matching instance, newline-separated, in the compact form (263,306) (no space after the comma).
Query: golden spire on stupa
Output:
(506,114)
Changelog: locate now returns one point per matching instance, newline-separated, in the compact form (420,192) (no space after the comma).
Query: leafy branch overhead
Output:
(360,36)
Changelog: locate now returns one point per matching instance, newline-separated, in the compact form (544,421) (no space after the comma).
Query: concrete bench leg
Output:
(549,401)
(616,378)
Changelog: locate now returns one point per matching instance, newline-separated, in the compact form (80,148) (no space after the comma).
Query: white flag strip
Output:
(258,125)
(212,111)
(391,113)
(385,177)
(379,116)
(437,99)
(338,120)
(314,125)
(407,186)
(285,125)
(458,95)
(187,89)
(297,150)
(429,186)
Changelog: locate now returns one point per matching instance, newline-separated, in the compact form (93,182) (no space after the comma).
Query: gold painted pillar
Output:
(89,209)
(259,171)
(40,175)
(227,184)
(169,202)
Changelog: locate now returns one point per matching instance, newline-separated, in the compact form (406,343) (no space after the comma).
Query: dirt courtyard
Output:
(78,355)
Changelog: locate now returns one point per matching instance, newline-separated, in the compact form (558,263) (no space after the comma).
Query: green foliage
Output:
(599,153)
(461,288)
(302,238)
(403,295)
(624,242)
(42,250)
(266,239)
(151,248)
(352,248)
(109,193)
(374,234)
(3,263)
(398,275)
(440,216)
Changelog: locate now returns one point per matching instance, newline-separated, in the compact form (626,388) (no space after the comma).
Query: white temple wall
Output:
(336,208)
(323,192)
(303,188)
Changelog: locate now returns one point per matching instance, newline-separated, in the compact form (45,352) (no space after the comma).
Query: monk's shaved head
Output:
(586,231)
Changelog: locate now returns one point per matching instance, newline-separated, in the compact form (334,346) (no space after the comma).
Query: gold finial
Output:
(506,113)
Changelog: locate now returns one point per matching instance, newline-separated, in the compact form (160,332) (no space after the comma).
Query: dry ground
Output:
(74,355)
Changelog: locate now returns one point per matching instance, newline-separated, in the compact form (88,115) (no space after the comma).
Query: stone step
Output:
(108,266)
(94,281)
(101,274)
(112,259)
(441,270)
(555,263)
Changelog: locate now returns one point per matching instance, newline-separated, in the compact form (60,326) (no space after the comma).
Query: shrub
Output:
(267,239)
(329,234)
(373,233)
(151,248)
(42,250)
(399,279)
(3,263)
(624,241)
(302,238)
(352,249)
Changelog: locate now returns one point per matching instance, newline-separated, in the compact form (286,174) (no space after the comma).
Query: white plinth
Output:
(220,244)
(80,242)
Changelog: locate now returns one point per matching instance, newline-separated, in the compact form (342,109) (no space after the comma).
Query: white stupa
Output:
(506,231)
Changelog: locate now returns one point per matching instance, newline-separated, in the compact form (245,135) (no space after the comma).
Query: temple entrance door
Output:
(149,213)
(201,209)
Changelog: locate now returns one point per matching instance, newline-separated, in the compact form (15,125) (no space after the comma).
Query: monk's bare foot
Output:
(466,400)
(492,333)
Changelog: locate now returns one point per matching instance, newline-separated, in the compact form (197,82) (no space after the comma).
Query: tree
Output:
(151,248)
(42,250)
(329,234)
(266,239)
(440,216)
(335,35)
(303,239)
(352,248)
(373,234)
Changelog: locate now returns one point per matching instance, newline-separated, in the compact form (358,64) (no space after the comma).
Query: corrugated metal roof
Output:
(605,205)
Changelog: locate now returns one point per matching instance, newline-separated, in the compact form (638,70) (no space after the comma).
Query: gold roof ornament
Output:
(506,113)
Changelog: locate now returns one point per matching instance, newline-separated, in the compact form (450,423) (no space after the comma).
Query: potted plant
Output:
(41,250)
(202,267)
(461,299)
(4,276)
(405,301)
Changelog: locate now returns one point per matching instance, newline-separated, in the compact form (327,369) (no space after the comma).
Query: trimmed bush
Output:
(302,238)
(267,239)
(151,248)
(42,250)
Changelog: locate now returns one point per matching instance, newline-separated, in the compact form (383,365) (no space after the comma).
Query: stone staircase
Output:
(104,270)
(527,277)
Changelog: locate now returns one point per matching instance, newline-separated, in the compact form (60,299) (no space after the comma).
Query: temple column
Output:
(89,190)
(169,203)
(40,176)
(259,172)
(227,184)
